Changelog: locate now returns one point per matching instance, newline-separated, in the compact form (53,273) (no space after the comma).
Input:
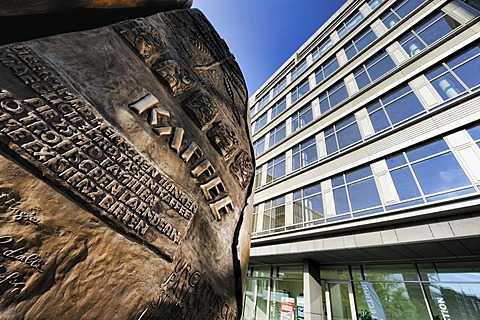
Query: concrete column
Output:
(312,291)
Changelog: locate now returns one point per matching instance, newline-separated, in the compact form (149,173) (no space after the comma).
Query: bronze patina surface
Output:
(125,173)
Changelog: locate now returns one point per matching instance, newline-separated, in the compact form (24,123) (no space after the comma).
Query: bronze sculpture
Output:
(126,169)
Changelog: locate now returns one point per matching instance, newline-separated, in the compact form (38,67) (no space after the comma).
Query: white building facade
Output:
(367,185)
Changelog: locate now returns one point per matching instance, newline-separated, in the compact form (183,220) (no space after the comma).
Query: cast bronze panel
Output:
(126,170)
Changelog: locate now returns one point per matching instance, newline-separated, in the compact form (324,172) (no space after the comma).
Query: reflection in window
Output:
(321,49)
(394,108)
(342,134)
(274,214)
(263,102)
(392,16)
(349,24)
(428,32)
(333,96)
(373,69)
(360,42)
(276,168)
(298,70)
(302,117)
(457,75)
(278,108)
(326,69)
(356,191)
(304,154)
(277,134)
(429,172)
(279,87)
(474,132)
(260,123)
(300,90)
(307,206)
(254,218)
(258,176)
(374,3)
(259,146)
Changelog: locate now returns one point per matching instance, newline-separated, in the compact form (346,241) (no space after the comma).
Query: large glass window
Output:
(356,191)
(279,87)
(276,168)
(427,32)
(274,214)
(300,90)
(278,108)
(254,218)
(304,154)
(277,134)
(475,133)
(298,69)
(457,75)
(394,108)
(302,117)
(260,123)
(349,24)
(360,42)
(259,146)
(374,3)
(321,49)
(392,16)
(373,69)
(308,206)
(342,135)
(333,96)
(326,69)
(429,171)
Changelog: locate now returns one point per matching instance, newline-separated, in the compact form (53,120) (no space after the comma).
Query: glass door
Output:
(340,302)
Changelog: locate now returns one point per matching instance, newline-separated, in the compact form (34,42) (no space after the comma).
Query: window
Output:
(254,218)
(475,134)
(263,102)
(304,154)
(360,42)
(259,146)
(258,177)
(373,69)
(278,108)
(374,3)
(349,24)
(260,123)
(428,32)
(333,96)
(430,170)
(274,214)
(457,75)
(298,69)
(356,191)
(326,69)
(394,108)
(300,90)
(321,49)
(302,117)
(276,168)
(277,134)
(342,135)
(279,87)
(307,206)
(392,16)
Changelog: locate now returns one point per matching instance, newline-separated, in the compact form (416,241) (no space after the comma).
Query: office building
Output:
(367,185)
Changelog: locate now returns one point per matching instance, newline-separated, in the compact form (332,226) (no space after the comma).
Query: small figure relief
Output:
(143,37)
(242,168)
(174,76)
(223,139)
(201,108)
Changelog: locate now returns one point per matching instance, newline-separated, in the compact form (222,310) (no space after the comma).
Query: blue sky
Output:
(263,34)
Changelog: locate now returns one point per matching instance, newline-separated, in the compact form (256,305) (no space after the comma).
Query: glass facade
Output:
(435,290)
